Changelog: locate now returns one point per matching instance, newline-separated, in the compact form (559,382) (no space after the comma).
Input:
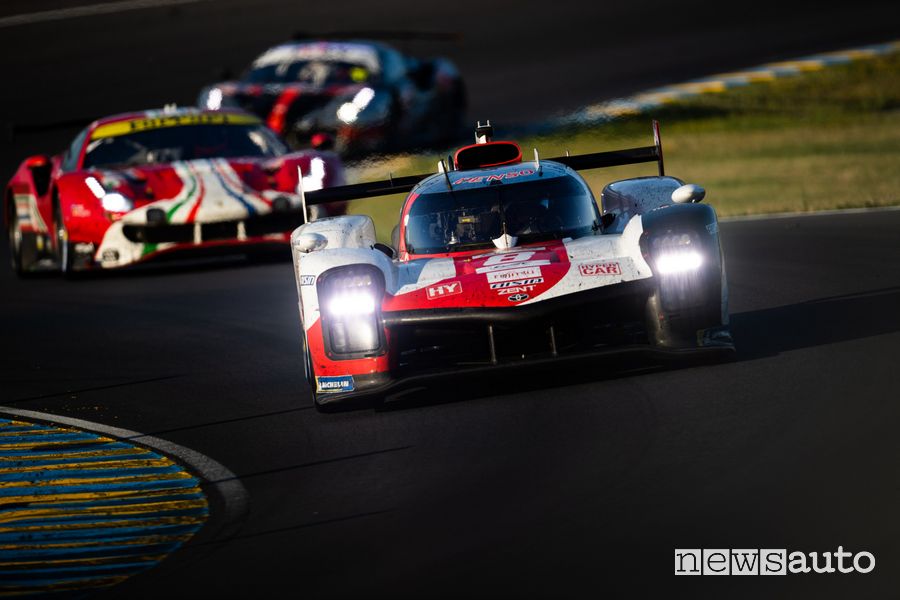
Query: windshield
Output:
(187,142)
(532,211)
(318,73)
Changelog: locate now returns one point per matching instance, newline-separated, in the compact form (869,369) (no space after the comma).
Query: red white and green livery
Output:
(136,186)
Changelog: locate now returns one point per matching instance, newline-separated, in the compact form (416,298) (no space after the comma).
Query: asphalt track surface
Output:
(577,483)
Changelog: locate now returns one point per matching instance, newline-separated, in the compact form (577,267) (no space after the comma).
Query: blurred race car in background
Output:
(360,96)
(497,262)
(135,186)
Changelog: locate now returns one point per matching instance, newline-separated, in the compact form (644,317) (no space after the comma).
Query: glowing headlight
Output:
(352,304)
(112,201)
(117,203)
(351,300)
(214,99)
(316,178)
(678,262)
(349,111)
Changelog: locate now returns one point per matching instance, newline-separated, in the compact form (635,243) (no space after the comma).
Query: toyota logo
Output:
(517,297)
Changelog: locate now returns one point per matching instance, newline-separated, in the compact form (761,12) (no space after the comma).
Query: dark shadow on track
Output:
(757,334)
(769,332)
(526,379)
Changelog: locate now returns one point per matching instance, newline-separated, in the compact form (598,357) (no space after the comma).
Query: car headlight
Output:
(116,203)
(367,106)
(216,98)
(113,202)
(676,253)
(350,300)
(678,262)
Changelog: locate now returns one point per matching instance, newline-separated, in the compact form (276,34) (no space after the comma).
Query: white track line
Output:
(88,11)
(233,492)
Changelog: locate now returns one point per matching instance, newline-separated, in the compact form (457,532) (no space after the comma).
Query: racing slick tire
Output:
(65,253)
(308,370)
(688,309)
(673,326)
(23,252)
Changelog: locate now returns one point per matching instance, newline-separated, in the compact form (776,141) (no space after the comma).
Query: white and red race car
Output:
(500,262)
(139,186)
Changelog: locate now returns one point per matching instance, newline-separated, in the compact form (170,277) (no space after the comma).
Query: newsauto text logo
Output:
(768,561)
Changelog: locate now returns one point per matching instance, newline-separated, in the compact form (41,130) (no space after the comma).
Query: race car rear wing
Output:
(401,185)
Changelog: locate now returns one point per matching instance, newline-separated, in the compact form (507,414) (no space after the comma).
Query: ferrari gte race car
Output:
(500,262)
(136,186)
(362,96)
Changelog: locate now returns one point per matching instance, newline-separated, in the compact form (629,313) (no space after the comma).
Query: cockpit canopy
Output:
(471,218)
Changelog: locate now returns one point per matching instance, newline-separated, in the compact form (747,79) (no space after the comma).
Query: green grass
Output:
(820,140)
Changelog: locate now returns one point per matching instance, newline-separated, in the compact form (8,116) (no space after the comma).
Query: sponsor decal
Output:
(514,274)
(80,211)
(515,282)
(494,177)
(605,268)
(130,126)
(517,297)
(442,290)
(307,280)
(343,383)
(515,290)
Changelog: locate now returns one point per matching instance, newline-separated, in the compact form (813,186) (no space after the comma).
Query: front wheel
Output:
(64,252)
(23,253)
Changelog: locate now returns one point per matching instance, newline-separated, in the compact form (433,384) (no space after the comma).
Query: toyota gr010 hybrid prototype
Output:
(360,96)
(136,186)
(499,262)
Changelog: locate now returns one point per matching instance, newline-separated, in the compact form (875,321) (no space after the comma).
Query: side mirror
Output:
(384,248)
(40,167)
(688,194)
(310,242)
(607,219)
(37,161)
(395,236)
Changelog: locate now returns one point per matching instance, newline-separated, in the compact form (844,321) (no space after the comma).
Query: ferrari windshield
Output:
(185,142)
(472,218)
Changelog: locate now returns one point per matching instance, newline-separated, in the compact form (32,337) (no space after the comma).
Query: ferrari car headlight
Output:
(366,105)
(116,203)
(350,299)
(216,98)
(349,111)
(113,202)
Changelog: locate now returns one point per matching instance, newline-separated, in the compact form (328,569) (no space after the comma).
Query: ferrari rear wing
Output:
(401,185)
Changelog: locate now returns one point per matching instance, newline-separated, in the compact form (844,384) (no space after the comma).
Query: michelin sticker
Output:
(343,383)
